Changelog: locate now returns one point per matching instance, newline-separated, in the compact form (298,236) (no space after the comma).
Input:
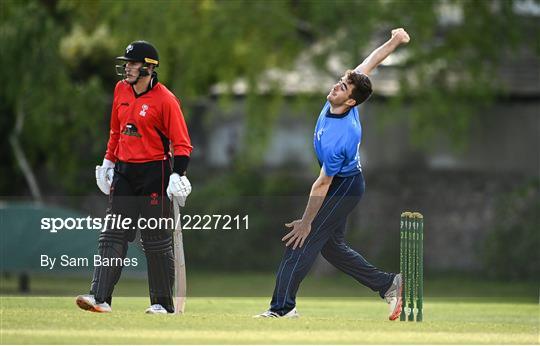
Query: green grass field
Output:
(492,313)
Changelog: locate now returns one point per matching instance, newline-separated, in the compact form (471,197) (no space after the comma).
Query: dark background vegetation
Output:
(58,76)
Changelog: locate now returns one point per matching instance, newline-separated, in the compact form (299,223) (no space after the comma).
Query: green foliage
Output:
(60,59)
(511,250)
(201,42)
(60,131)
(452,68)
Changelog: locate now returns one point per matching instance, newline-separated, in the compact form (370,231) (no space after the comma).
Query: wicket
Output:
(411,265)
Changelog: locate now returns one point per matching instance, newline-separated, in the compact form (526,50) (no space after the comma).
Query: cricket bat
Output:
(179,263)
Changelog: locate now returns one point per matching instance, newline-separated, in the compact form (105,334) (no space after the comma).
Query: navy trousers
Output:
(327,236)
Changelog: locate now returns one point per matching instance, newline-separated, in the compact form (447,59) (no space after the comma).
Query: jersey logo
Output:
(319,134)
(144,108)
(357,158)
(154,198)
(131,130)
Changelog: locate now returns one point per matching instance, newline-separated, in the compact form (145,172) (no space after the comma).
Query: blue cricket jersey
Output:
(337,140)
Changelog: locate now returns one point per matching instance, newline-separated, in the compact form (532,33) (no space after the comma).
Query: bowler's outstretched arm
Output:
(399,37)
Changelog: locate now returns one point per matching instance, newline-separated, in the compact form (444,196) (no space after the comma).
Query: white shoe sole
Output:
(399,305)
(85,305)
(156,312)
(288,315)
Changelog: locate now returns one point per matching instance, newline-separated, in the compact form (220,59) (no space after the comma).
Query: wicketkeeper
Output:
(147,132)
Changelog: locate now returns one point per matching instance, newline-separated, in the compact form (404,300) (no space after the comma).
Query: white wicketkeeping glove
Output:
(104,176)
(179,188)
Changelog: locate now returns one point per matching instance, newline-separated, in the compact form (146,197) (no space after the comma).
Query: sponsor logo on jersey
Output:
(131,130)
(319,134)
(144,108)
(154,198)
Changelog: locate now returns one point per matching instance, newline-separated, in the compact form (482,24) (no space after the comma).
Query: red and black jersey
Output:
(142,125)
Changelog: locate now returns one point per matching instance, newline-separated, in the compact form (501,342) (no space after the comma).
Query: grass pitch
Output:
(227,320)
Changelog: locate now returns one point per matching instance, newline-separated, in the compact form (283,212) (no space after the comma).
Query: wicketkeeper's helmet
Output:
(139,51)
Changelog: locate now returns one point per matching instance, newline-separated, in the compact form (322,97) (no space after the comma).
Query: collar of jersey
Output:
(153,83)
(332,115)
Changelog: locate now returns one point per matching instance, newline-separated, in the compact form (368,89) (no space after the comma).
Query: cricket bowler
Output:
(334,194)
(147,134)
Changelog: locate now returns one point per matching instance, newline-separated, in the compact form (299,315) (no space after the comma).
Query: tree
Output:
(50,118)
(61,63)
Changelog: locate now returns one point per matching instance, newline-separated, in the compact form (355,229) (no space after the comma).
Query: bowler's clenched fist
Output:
(400,35)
